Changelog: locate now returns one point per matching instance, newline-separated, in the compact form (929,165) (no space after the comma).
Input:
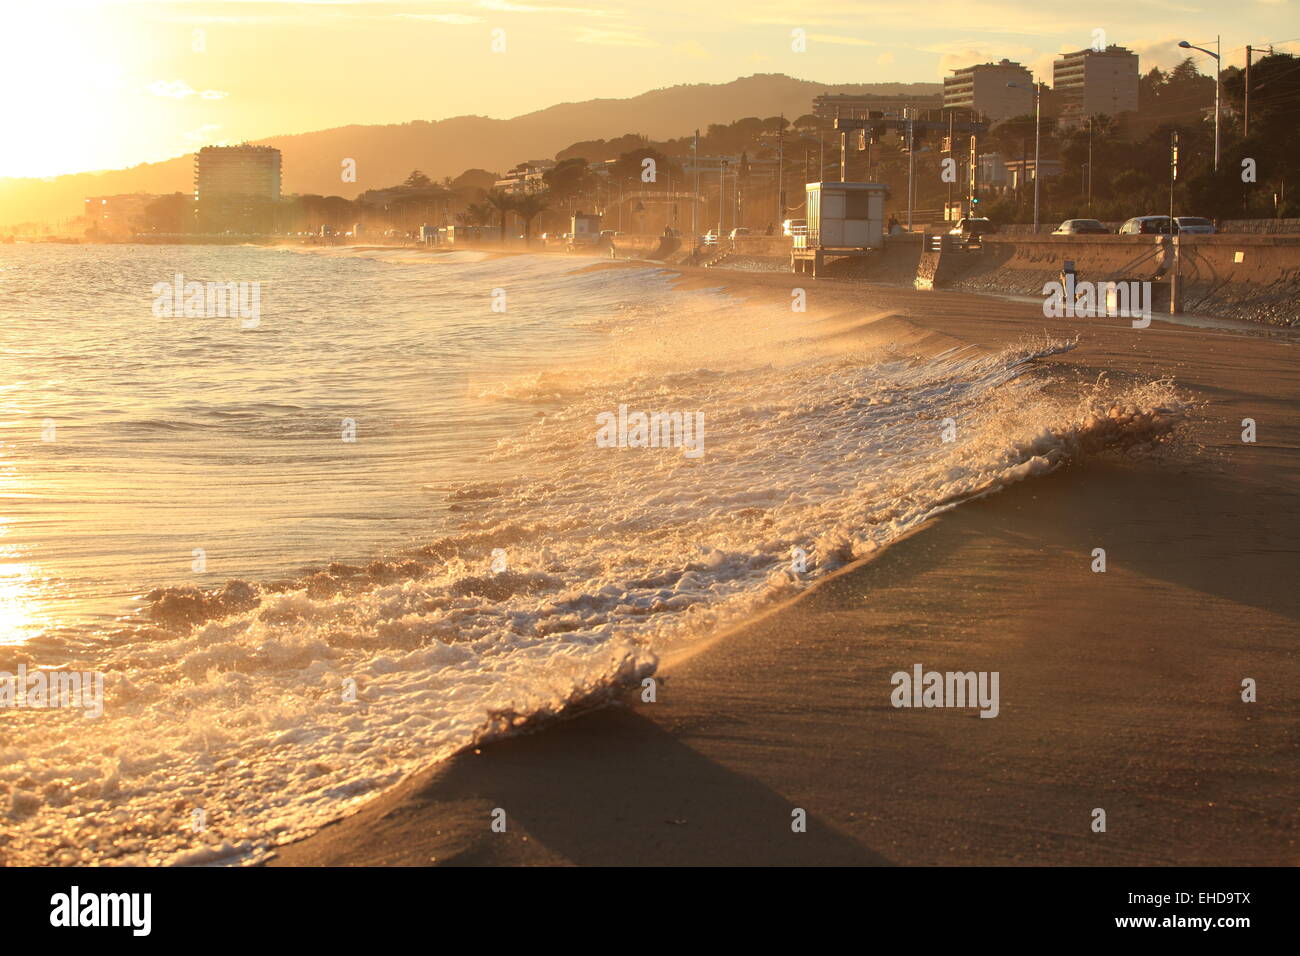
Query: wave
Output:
(572,569)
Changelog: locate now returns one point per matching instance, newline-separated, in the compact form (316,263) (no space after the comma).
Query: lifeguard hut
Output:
(845,220)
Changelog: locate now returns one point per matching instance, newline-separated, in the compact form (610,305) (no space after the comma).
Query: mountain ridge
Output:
(386,153)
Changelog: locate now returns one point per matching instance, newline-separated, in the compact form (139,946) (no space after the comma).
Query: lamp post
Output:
(1218,75)
(1037,91)
(1090,165)
(722,190)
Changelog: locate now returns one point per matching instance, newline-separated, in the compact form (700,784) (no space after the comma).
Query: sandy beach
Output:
(1119,690)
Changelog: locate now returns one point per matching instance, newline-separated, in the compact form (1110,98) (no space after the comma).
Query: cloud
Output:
(692,49)
(202,134)
(180,90)
(457,19)
(510,6)
(842,40)
(954,56)
(613,38)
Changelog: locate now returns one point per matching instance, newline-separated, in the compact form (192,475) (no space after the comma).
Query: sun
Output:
(61,75)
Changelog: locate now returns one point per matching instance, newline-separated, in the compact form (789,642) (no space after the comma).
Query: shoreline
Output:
(1119,690)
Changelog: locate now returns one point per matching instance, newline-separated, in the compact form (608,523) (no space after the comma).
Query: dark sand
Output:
(1118,690)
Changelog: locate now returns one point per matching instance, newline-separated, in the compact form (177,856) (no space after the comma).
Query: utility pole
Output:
(780,172)
(1090,164)
(695,202)
(722,178)
(911,168)
(1038,103)
(844,155)
(973,171)
(1245,117)
(735,192)
(1173,170)
(1218,93)
(949,150)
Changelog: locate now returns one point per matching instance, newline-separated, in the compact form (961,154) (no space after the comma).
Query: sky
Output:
(105,84)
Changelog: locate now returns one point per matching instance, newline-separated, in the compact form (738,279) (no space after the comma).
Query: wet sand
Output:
(1119,691)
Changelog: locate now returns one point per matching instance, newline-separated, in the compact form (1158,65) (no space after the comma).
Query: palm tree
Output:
(475,214)
(528,207)
(502,202)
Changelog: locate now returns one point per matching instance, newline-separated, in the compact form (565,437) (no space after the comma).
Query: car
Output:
(795,227)
(973,227)
(1147,226)
(710,238)
(1195,226)
(1081,227)
(740,232)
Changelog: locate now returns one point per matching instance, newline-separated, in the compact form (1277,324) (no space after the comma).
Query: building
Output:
(828,106)
(236,188)
(982,88)
(1002,174)
(526,177)
(118,215)
(1088,82)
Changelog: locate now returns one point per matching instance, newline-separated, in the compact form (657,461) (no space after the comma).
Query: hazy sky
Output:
(98,84)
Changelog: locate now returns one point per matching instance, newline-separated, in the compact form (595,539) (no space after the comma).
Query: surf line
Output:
(653,430)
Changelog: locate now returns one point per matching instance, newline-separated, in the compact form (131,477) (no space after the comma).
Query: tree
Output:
(568,179)
(475,214)
(173,213)
(628,167)
(528,207)
(502,202)
(417,180)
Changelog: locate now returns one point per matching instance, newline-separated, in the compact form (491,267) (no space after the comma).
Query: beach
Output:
(1120,690)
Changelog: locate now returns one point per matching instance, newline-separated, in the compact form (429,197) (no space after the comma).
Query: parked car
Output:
(973,228)
(1147,226)
(1195,226)
(795,227)
(740,232)
(1081,227)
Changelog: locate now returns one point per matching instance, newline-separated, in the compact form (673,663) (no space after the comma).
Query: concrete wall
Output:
(1254,277)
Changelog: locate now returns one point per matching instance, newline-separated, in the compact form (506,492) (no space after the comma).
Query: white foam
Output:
(614,556)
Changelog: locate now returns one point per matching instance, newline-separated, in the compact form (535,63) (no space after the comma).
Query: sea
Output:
(402,503)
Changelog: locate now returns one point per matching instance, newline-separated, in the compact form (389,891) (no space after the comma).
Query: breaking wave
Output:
(570,570)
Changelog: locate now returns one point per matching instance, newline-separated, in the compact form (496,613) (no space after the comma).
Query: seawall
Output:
(1252,277)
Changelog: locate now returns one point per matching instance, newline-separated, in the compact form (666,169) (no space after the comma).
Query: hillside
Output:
(386,154)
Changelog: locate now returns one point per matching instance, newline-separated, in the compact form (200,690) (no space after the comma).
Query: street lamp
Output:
(1218,63)
(1037,91)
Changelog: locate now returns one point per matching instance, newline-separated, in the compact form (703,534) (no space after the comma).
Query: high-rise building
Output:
(983,88)
(1089,82)
(236,188)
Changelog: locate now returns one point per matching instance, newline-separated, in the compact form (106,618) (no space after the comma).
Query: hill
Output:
(386,154)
